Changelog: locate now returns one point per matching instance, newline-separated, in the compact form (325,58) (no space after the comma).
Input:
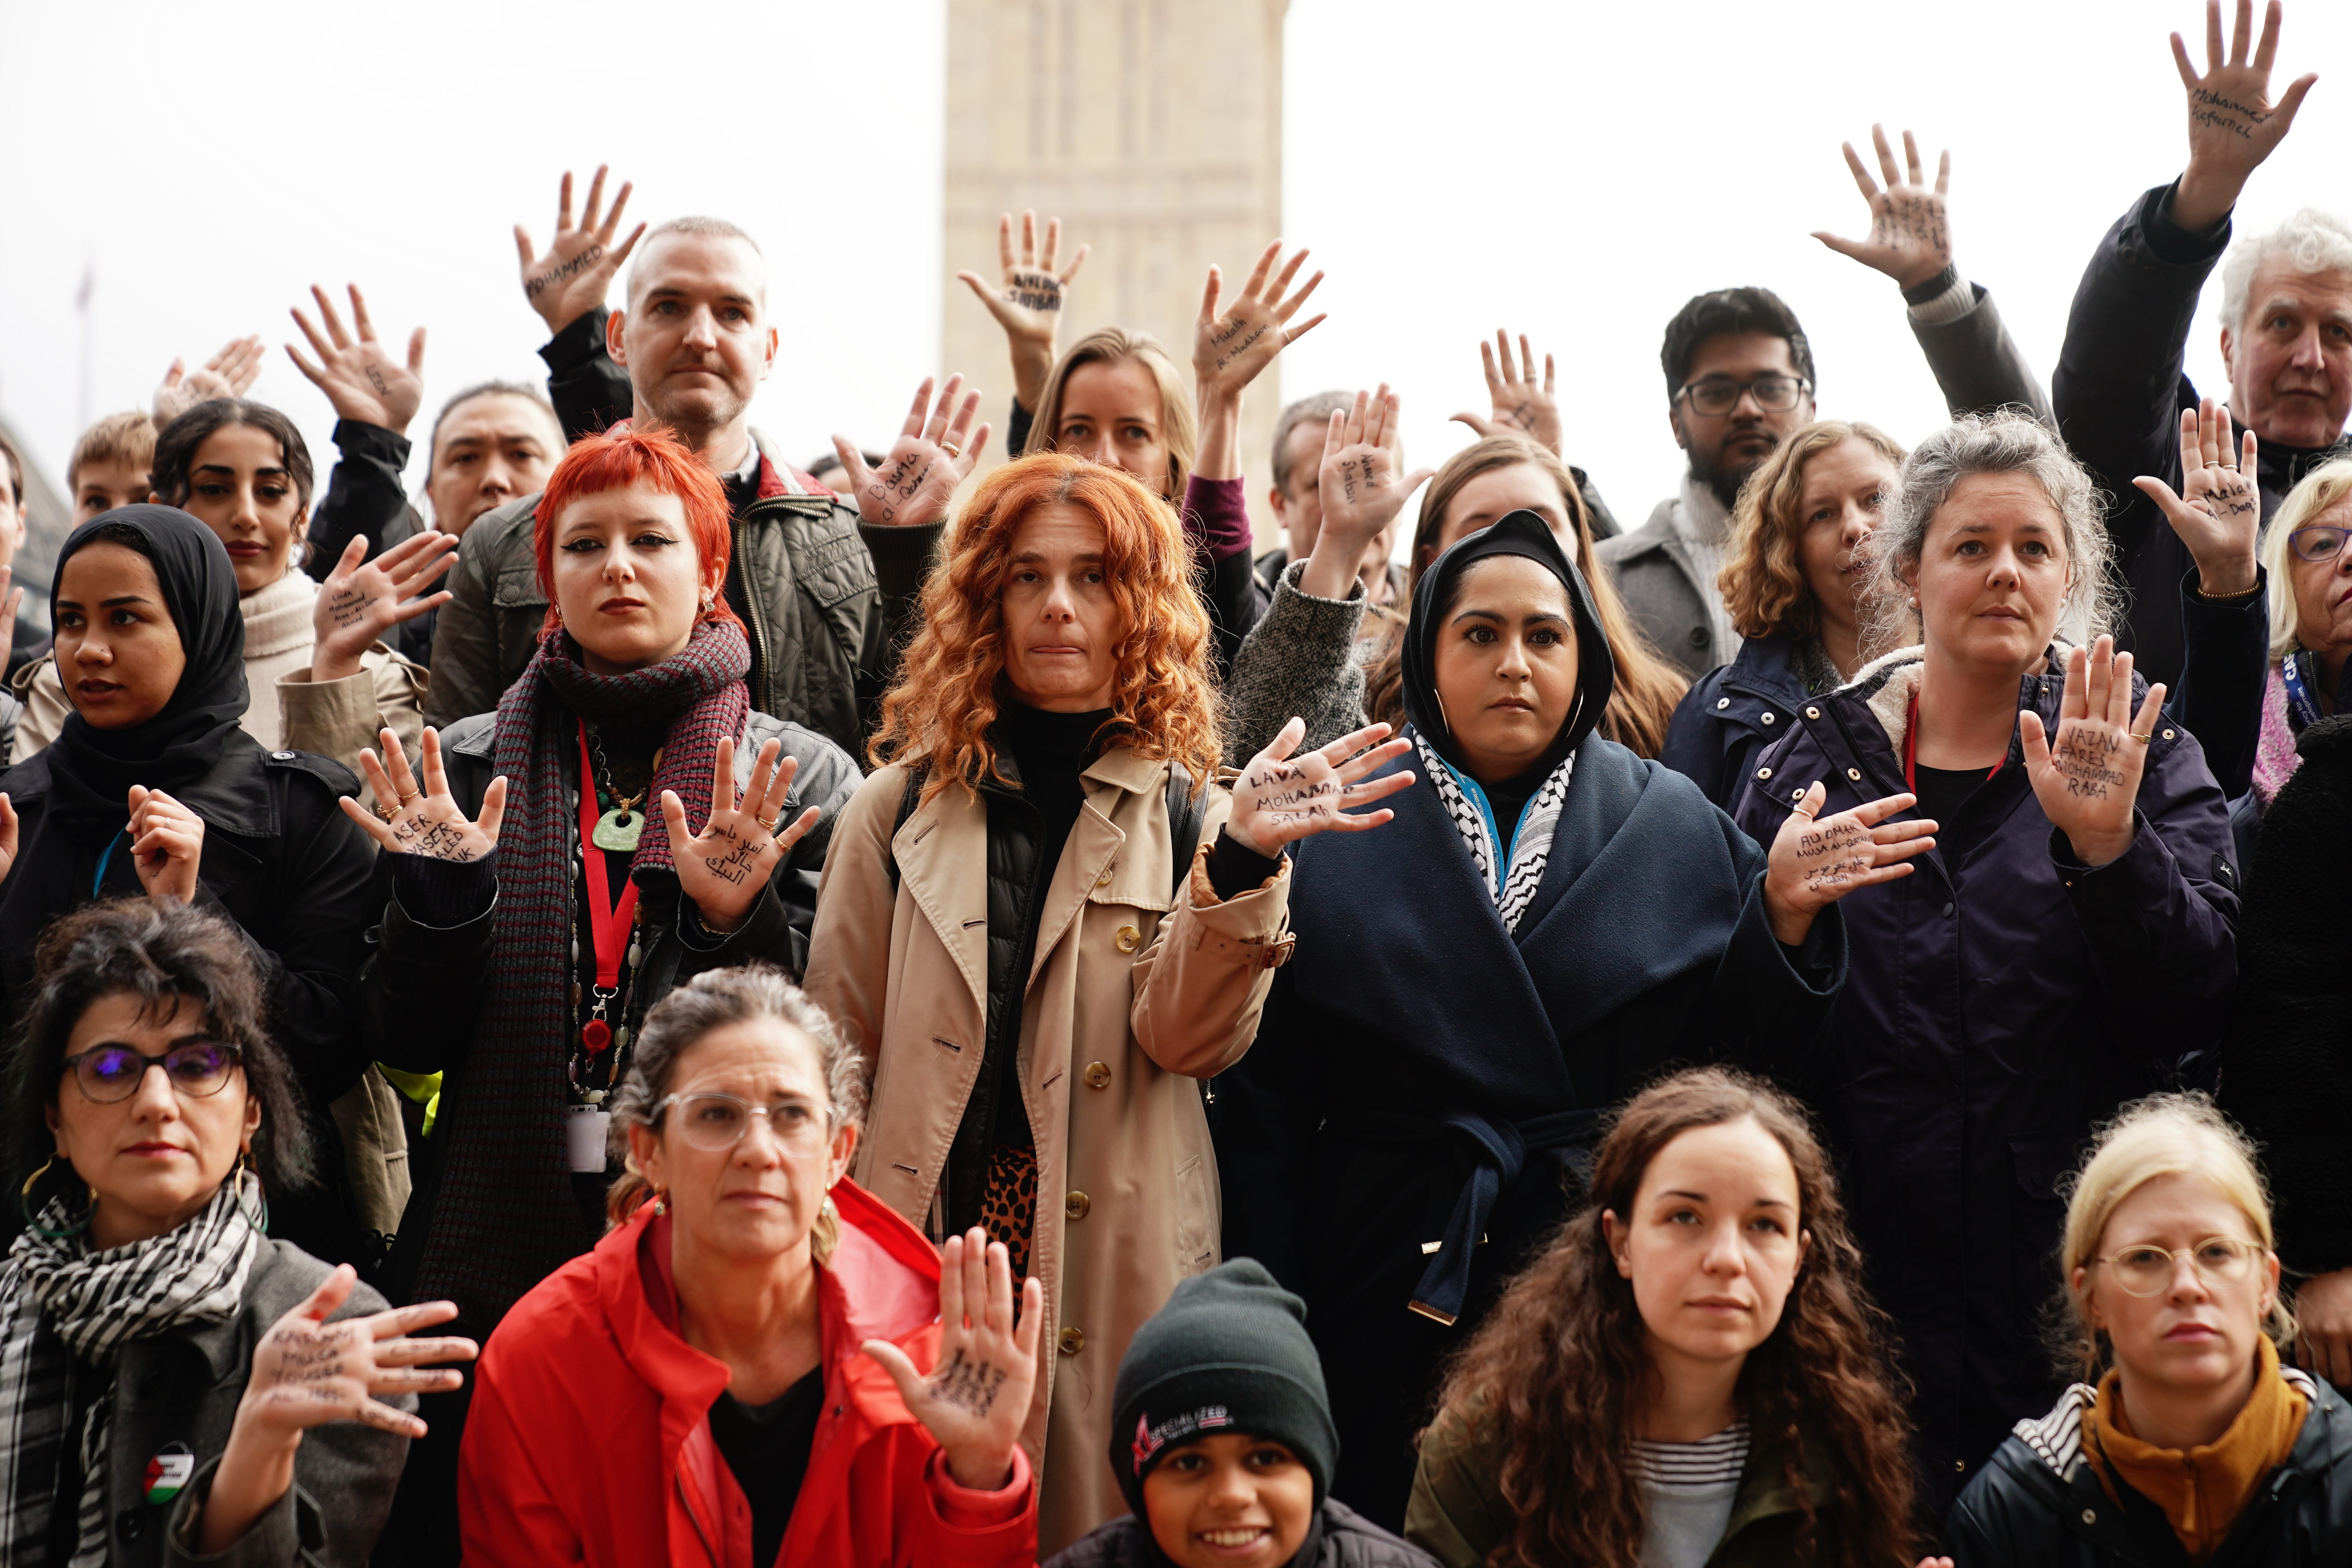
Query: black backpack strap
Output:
(1185,811)
(909,799)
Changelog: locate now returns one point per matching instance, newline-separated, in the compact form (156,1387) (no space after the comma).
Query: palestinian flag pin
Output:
(168,1472)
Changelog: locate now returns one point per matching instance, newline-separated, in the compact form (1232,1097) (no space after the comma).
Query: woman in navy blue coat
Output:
(1550,923)
(2067,946)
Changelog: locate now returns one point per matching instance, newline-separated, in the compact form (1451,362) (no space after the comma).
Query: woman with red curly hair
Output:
(1042,923)
(624,821)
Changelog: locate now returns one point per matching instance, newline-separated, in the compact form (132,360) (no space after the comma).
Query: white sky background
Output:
(1571,171)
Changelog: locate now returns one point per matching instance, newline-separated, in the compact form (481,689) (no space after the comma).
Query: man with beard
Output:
(819,584)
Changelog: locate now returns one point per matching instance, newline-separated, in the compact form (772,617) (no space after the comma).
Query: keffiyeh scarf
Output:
(61,1303)
(1513,888)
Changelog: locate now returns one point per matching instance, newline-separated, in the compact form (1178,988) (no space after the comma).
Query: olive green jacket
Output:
(1457,1514)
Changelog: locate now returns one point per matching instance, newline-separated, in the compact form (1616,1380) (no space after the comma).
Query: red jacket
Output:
(588,1438)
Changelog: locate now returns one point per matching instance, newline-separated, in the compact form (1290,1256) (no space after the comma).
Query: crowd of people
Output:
(717,1012)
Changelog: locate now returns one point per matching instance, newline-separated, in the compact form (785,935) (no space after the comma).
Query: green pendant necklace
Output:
(619,828)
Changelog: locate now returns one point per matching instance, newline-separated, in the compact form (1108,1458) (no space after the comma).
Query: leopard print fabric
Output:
(1008,1210)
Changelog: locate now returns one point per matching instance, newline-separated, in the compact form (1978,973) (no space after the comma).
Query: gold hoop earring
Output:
(25,1203)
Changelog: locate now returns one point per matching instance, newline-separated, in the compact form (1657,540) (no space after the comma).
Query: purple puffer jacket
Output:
(1999,1001)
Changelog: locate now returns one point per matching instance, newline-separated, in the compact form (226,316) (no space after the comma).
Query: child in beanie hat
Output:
(1224,1432)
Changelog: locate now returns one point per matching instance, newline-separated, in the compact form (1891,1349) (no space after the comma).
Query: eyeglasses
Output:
(717,1122)
(2148,1270)
(2320,541)
(1720,394)
(197,1070)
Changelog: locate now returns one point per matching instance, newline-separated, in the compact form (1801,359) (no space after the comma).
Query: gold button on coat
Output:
(1103,880)
(1128,939)
(1098,1074)
(1072,1341)
(1077,1205)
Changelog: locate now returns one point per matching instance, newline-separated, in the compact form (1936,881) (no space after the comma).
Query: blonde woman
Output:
(2194,1444)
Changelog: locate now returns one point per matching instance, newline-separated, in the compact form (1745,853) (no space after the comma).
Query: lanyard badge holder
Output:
(611,932)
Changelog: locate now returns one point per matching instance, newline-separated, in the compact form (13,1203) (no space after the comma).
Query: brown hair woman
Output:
(1689,1373)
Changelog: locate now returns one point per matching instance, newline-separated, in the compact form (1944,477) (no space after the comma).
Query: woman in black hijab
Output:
(150,789)
(1549,923)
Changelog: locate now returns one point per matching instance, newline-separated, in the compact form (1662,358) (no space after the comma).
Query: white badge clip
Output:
(584,1131)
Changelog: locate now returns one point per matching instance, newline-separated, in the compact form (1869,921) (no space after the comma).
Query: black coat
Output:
(2038,1504)
(1412,1031)
(299,878)
(2120,386)
(365,498)
(2001,1001)
(2287,1067)
(1731,714)
(1341,1538)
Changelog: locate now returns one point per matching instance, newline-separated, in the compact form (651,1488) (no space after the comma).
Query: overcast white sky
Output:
(1572,170)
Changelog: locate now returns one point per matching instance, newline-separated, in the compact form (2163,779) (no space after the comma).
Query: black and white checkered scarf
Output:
(1515,888)
(60,1302)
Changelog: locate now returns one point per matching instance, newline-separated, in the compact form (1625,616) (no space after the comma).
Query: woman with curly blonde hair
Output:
(1042,921)
(1793,573)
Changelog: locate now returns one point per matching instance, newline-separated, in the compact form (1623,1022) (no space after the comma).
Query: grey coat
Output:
(1297,662)
(1978,366)
(184,1388)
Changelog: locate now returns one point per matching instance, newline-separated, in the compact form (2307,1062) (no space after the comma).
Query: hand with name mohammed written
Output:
(1029,302)
(426,822)
(725,867)
(307,1371)
(1280,798)
(976,1396)
(2219,512)
(2232,124)
(576,273)
(1910,231)
(1815,860)
(2088,782)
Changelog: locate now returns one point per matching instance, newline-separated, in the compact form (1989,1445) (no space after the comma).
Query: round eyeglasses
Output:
(717,1122)
(1773,394)
(2321,541)
(2147,1270)
(197,1070)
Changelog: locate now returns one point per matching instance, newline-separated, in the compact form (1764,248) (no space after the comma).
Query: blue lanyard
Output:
(100,875)
(2294,674)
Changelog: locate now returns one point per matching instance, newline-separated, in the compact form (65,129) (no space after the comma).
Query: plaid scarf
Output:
(60,1302)
(507,1217)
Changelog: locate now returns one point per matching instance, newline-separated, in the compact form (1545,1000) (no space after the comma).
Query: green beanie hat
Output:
(1228,1354)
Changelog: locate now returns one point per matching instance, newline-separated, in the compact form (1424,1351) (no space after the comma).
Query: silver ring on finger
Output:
(1800,811)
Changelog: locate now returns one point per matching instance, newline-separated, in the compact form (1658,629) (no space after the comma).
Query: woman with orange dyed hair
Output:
(1043,922)
(624,821)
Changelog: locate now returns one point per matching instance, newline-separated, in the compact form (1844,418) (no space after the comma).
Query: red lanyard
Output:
(1911,750)
(608,924)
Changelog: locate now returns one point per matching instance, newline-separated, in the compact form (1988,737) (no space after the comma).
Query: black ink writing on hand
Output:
(739,859)
(968,1385)
(1230,355)
(375,379)
(563,272)
(349,607)
(2207,107)
(2086,758)
(1827,857)
(1034,290)
(433,840)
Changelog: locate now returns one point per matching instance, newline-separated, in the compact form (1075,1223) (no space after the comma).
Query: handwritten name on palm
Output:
(307,1371)
(1816,860)
(425,822)
(1279,798)
(725,867)
(977,1396)
(2088,782)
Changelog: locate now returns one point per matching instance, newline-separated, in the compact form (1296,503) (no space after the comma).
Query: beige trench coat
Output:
(1130,1002)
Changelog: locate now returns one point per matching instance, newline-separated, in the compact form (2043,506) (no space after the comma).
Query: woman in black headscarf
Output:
(1549,923)
(150,787)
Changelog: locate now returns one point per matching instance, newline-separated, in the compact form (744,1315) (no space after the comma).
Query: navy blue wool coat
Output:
(2002,1000)
(1414,1049)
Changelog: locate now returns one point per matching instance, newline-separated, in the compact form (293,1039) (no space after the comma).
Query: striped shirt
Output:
(1687,1491)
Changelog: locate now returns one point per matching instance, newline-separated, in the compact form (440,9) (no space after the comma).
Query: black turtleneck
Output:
(1510,797)
(1050,751)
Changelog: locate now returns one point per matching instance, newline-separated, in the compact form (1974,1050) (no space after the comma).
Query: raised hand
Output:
(1521,407)
(935,449)
(1910,233)
(307,1371)
(167,844)
(1279,798)
(365,384)
(226,374)
(1028,303)
(1361,488)
(2232,124)
(2218,512)
(362,599)
(2088,782)
(1234,341)
(427,821)
(725,867)
(575,275)
(1814,861)
(976,1397)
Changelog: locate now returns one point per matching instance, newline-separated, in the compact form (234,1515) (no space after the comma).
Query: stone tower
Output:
(1153,129)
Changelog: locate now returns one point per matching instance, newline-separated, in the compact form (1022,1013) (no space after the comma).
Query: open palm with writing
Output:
(307,1371)
(937,448)
(428,821)
(1280,798)
(1816,860)
(1235,339)
(1363,488)
(2233,124)
(365,384)
(1028,302)
(725,867)
(976,1396)
(2219,512)
(1523,407)
(1910,231)
(575,273)
(2088,782)
(362,599)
